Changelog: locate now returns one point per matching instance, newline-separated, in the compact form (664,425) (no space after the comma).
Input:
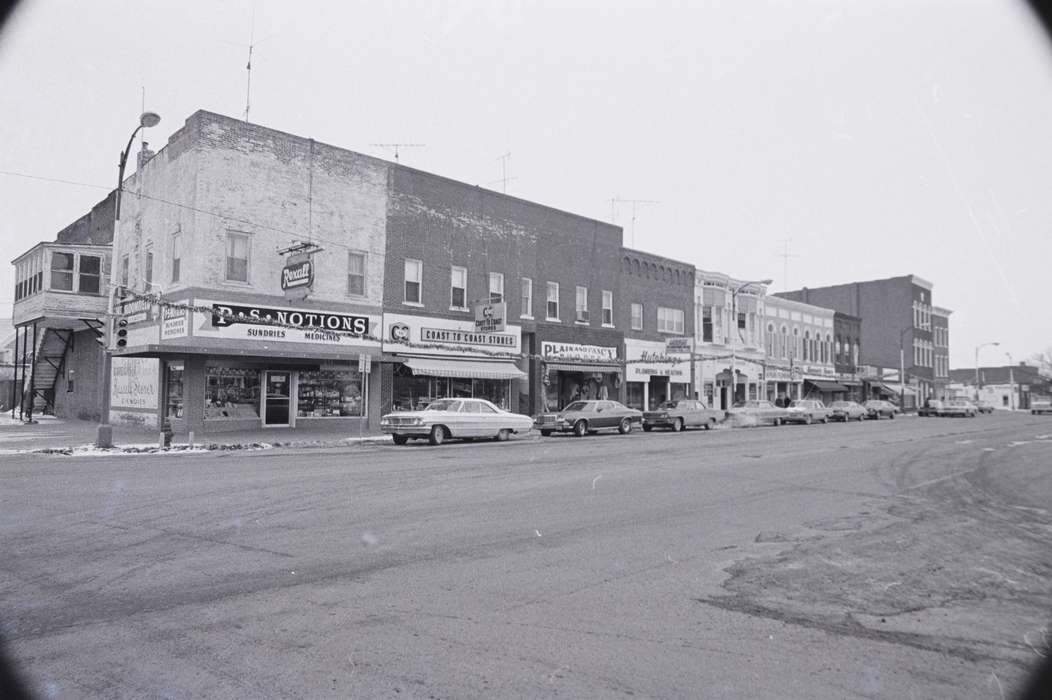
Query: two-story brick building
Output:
(940,332)
(656,312)
(847,347)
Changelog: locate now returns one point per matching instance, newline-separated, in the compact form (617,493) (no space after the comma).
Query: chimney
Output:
(145,154)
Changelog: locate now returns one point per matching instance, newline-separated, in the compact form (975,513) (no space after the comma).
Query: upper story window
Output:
(125,273)
(356,273)
(582,305)
(237,250)
(807,347)
(706,324)
(148,270)
(670,320)
(527,298)
(458,287)
(608,308)
(553,301)
(89,275)
(637,316)
(177,254)
(62,271)
(496,287)
(414,271)
(29,277)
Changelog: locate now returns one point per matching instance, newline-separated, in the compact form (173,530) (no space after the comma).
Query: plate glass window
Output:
(608,308)
(413,272)
(237,246)
(356,274)
(527,297)
(496,287)
(553,301)
(458,287)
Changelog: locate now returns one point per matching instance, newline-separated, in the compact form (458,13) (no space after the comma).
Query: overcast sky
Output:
(878,138)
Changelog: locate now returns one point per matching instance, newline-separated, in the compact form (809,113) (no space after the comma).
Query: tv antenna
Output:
(252,43)
(396,146)
(635,203)
(504,180)
(785,255)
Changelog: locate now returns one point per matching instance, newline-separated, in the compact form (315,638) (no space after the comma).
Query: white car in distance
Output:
(454,418)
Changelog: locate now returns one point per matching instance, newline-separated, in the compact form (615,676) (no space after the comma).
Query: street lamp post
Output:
(1011,383)
(977,349)
(902,368)
(104,432)
(734,320)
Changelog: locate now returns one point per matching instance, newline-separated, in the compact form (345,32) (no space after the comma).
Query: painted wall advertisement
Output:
(133,383)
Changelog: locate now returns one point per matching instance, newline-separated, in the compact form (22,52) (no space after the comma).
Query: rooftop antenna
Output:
(785,255)
(252,43)
(635,203)
(396,146)
(504,172)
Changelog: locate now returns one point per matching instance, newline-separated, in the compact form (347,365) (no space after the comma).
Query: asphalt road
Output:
(906,558)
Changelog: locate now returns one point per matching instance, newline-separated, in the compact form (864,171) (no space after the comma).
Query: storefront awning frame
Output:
(474,368)
(583,367)
(826,385)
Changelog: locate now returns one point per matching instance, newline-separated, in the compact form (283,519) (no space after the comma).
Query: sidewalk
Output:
(65,436)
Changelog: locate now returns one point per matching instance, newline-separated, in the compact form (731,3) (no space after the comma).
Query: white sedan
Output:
(455,418)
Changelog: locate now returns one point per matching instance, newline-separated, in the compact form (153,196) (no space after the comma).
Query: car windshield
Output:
(577,406)
(669,404)
(443,405)
(800,404)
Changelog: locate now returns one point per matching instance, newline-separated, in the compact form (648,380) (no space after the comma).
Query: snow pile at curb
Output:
(200,448)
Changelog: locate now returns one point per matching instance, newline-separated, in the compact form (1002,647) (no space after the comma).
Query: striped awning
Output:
(584,367)
(468,369)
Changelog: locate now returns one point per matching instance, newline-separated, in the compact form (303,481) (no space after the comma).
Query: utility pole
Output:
(396,146)
(635,203)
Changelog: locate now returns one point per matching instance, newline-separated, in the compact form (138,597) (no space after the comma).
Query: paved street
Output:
(905,558)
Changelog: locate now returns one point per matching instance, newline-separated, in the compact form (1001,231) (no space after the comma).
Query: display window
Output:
(566,387)
(634,395)
(231,392)
(173,389)
(330,393)
(414,392)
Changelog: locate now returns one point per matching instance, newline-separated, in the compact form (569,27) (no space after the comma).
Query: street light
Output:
(1011,383)
(902,369)
(104,432)
(734,320)
(977,349)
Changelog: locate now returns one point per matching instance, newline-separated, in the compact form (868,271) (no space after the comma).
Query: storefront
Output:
(239,366)
(436,358)
(573,371)
(716,388)
(823,389)
(784,384)
(654,375)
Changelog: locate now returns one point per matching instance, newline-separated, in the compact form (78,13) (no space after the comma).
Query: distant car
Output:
(877,409)
(807,411)
(757,411)
(454,418)
(958,407)
(584,417)
(931,407)
(1040,406)
(681,413)
(847,410)
(984,407)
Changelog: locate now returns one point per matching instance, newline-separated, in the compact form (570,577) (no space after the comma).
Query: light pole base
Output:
(104,436)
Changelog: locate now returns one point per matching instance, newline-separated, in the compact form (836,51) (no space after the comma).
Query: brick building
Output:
(655,309)
(896,315)
(847,334)
(798,340)
(940,332)
(453,249)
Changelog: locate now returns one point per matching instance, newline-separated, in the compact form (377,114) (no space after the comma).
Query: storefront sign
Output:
(574,352)
(489,318)
(297,277)
(645,359)
(174,323)
(422,335)
(224,315)
(440,335)
(778,374)
(679,344)
(134,383)
(265,324)
(135,310)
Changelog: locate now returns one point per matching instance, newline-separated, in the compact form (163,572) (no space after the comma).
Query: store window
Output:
(527,298)
(458,287)
(330,393)
(237,249)
(173,389)
(356,274)
(231,392)
(62,271)
(634,395)
(414,270)
(413,391)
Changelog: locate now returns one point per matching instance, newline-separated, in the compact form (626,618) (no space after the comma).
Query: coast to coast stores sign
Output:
(422,335)
(296,325)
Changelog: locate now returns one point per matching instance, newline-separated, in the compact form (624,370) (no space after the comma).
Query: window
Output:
(784,343)
(582,305)
(414,270)
(670,320)
(608,308)
(329,393)
(177,254)
(496,287)
(807,346)
(527,298)
(237,257)
(90,273)
(637,317)
(458,287)
(770,340)
(706,324)
(553,301)
(62,271)
(124,270)
(741,320)
(231,392)
(147,272)
(356,273)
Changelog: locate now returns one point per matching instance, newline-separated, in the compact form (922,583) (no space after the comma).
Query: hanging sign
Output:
(297,277)
(490,317)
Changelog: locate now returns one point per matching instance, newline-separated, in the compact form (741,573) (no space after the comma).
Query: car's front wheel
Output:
(546,433)
(503,435)
(438,435)
(400,439)
(807,419)
(625,426)
(677,425)
(580,428)
(647,428)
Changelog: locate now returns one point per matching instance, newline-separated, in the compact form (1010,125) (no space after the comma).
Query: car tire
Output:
(647,428)
(503,435)
(891,417)
(438,435)
(677,425)
(625,426)
(580,428)
(777,422)
(546,433)
(807,419)
(400,439)
(825,420)
(710,423)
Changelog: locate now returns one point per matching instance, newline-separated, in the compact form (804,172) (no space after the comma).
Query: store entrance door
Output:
(277,399)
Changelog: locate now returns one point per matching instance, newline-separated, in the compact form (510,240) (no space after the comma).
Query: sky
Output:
(865,140)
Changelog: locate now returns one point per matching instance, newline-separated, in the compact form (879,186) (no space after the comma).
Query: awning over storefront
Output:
(894,390)
(583,367)
(825,385)
(469,369)
(849,382)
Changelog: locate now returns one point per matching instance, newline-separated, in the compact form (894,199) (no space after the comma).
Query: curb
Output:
(198,448)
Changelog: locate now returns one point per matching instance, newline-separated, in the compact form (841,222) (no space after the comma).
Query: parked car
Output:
(931,407)
(847,410)
(454,418)
(807,411)
(984,407)
(583,417)
(1040,406)
(681,413)
(757,411)
(877,409)
(958,407)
